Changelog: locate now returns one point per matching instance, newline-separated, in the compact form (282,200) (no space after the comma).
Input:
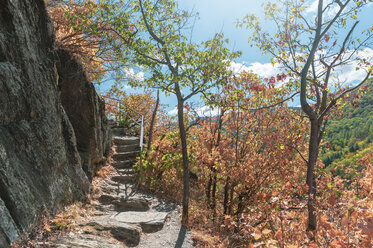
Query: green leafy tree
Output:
(312,49)
(177,65)
(153,37)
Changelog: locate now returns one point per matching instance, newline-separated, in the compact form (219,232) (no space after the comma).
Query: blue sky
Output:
(222,16)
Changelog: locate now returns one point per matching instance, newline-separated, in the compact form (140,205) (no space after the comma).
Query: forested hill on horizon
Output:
(350,136)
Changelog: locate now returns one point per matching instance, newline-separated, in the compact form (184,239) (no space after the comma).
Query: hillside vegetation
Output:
(350,136)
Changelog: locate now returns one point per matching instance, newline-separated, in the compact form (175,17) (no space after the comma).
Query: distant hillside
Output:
(350,136)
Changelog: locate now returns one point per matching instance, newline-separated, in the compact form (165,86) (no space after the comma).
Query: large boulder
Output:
(40,168)
(86,112)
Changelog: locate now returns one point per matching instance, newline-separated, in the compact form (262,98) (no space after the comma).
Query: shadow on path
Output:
(181,237)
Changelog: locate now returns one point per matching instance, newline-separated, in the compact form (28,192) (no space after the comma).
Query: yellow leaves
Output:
(273,62)
(257,236)
(47,227)
(266,231)
(371,29)
(310,31)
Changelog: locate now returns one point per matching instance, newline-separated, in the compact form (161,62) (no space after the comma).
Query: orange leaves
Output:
(278,235)
(227,221)
(332,198)
(266,231)
(257,236)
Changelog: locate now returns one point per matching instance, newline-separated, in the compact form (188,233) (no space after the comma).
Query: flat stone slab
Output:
(85,241)
(123,178)
(125,140)
(129,234)
(132,204)
(149,221)
(125,204)
(124,164)
(128,171)
(120,156)
(127,148)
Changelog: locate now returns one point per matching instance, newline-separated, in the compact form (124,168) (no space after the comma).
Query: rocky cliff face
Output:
(40,167)
(86,112)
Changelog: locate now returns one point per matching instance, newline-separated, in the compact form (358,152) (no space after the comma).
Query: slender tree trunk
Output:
(240,206)
(208,190)
(213,203)
(184,149)
(313,152)
(226,196)
(231,193)
(152,122)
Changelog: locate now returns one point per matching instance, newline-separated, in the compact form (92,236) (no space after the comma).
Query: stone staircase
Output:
(123,214)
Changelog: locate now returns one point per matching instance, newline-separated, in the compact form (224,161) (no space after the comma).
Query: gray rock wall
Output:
(86,112)
(40,168)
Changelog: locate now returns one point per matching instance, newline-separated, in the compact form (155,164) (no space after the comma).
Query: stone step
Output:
(119,189)
(124,164)
(120,156)
(122,204)
(123,178)
(126,140)
(128,171)
(129,234)
(84,241)
(127,148)
(149,221)
(119,131)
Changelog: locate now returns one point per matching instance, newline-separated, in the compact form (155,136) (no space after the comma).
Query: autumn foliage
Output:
(248,161)
(87,45)
(247,171)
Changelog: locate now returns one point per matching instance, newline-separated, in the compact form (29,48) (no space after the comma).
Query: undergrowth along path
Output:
(122,215)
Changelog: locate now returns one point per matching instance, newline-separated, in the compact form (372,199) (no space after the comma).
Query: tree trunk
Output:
(230,211)
(208,190)
(226,195)
(152,122)
(313,152)
(184,149)
(213,203)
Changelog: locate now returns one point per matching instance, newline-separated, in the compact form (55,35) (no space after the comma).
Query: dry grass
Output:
(50,229)
(207,240)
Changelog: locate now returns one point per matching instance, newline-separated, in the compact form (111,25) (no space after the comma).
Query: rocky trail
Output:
(123,215)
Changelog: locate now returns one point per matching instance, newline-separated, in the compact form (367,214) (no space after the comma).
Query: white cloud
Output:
(343,74)
(265,70)
(173,112)
(313,7)
(333,9)
(207,111)
(204,111)
(130,73)
(348,73)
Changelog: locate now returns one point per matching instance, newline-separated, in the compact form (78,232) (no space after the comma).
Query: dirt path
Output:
(123,216)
